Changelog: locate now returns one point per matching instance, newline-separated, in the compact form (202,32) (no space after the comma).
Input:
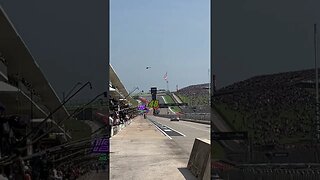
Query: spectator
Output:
(2,174)
(18,167)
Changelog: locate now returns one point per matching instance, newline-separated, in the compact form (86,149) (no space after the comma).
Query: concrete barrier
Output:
(199,162)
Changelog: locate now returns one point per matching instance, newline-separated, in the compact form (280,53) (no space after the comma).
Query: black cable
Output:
(37,129)
(78,110)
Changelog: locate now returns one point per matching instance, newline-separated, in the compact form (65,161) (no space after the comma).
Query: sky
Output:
(255,37)
(250,37)
(68,40)
(170,36)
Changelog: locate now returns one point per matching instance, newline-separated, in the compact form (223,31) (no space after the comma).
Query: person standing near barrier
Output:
(18,167)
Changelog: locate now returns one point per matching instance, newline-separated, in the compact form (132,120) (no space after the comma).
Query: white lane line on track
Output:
(174,130)
(196,128)
(162,131)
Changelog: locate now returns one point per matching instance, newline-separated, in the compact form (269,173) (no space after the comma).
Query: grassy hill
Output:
(274,109)
(195,95)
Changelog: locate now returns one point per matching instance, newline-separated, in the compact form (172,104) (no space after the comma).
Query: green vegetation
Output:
(77,129)
(168,99)
(184,99)
(195,100)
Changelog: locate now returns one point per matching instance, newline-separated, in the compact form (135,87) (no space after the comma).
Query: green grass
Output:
(168,99)
(184,99)
(196,100)
(78,129)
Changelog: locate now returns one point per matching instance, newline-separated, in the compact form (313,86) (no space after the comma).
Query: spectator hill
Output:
(275,109)
(195,95)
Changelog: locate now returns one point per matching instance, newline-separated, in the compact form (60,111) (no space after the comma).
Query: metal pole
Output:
(209,86)
(317,84)
(29,145)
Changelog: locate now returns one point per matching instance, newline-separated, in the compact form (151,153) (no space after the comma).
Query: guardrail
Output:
(172,104)
(203,118)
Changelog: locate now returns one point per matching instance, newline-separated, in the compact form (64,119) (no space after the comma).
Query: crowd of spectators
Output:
(41,168)
(196,95)
(273,107)
(42,164)
(119,117)
(10,132)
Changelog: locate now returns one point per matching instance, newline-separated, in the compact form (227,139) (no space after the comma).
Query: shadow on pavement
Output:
(187,174)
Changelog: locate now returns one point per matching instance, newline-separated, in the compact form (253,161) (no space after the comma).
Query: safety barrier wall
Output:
(199,161)
(188,118)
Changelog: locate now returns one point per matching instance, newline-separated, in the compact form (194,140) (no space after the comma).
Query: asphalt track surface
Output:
(188,131)
(141,151)
(166,130)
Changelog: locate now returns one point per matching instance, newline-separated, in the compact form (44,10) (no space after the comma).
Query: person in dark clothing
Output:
(18,167)
(36,167)
(44,171)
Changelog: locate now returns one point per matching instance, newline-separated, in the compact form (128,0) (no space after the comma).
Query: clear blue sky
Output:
(169,35)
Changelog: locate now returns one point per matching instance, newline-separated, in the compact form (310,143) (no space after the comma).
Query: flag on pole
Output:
(165,77)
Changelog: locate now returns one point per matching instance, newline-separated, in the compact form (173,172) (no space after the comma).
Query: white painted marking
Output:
(172,129)
(177,131)
(162,131)
(167,130)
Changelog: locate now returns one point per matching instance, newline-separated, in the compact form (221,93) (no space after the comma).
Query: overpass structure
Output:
(25,92)
(116,87)
(21,78)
